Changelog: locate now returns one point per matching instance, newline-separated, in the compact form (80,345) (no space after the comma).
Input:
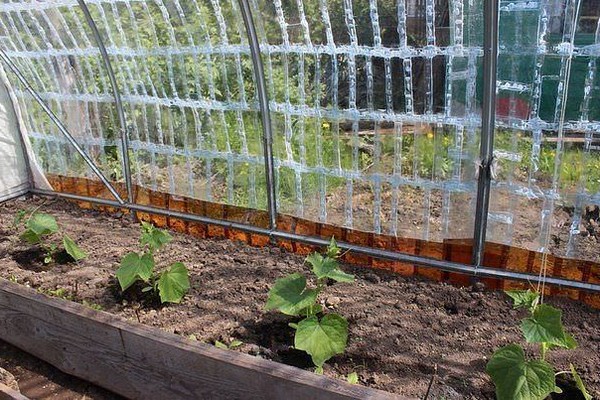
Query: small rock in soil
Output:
(422,300)
(8,379)
(478,286)
(373,278)
(332,301)
(254,349)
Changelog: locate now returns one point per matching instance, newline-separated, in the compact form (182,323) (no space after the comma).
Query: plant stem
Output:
(543,350)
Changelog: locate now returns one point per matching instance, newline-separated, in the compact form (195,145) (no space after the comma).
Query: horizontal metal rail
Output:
(371,252)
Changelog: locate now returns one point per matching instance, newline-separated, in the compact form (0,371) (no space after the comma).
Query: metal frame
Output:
(60,125)
(484,178)
(117,95)
(316,241)
(488,122)
(263,99)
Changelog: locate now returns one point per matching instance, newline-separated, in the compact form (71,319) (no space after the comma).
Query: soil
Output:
(40,380)
(401,329)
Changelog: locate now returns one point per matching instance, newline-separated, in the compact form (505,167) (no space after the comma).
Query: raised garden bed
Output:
(400,328)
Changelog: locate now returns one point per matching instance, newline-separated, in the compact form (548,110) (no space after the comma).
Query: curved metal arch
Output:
(265,113)
(117,95)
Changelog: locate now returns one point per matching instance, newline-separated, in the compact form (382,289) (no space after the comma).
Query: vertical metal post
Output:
(60,125)
(117,96)
(488,119)
(265,114)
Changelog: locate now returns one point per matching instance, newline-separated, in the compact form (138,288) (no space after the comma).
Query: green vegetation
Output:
(171,285)
(320,335)
(232,345)
(43,230)
(352,378)
(514,375)
(59,292)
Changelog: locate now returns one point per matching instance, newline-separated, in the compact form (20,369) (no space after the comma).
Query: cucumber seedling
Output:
(516,377)
(42,229)
(171,284)
(321,335)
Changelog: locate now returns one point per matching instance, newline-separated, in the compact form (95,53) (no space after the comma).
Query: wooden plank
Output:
(141,362)
(7,393)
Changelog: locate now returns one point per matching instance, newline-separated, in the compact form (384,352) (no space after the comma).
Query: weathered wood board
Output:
(7,393)
(141,362)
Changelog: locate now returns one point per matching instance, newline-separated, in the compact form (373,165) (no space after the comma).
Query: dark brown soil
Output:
(400,328)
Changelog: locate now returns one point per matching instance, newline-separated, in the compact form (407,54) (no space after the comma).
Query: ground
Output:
(400,328)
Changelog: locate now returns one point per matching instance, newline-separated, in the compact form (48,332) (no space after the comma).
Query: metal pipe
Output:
(488,121)
(263,100)
(60,125)
(316,241)
(117,96)
(15,195)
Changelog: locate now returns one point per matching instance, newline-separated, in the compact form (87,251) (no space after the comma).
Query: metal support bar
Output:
(117,96)
(60,125)
(488,121)
(368,251)
(265,114)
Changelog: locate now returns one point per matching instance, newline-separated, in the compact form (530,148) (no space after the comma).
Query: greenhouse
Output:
(309,199)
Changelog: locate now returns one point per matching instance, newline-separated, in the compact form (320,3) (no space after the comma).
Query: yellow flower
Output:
(429,135)
(325,125)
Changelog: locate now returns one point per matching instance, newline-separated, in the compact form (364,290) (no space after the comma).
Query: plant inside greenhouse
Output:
(310,199)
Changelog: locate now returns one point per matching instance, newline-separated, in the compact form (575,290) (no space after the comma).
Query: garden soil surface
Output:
(402,329)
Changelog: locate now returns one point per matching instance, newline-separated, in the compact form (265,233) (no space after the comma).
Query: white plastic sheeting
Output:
(14,179)
(15,150)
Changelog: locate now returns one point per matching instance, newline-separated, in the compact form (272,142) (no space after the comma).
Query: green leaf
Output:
(235,343)
(545,326)
(308,311)
(134,267)
(524,298)
(352,378)
(579,383)
(333,250)
(221,345)
(174,283)
(153,237)
(72,249)
(518,379)
(340,276)
(19,217)
(569,342)
(319,370)
(322,339)
(42,224)
(290,295)
(326,267)
(31,237)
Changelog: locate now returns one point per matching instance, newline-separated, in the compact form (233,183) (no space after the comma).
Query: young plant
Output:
(516,377)
(320,335)
(235,343)
(171,285)
(42,229)
(352,378)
